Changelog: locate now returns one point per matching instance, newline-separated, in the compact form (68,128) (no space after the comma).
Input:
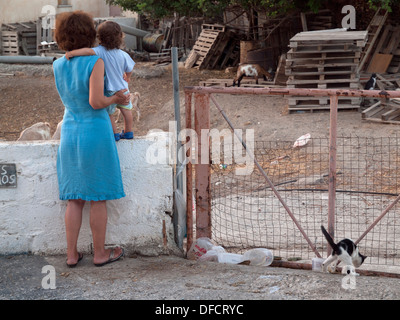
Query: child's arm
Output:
(127,76)
(80,52)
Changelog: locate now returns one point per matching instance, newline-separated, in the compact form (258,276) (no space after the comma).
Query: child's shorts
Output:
(112,107)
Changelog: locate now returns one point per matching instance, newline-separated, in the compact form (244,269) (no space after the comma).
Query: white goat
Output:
(39,131)
(251,70)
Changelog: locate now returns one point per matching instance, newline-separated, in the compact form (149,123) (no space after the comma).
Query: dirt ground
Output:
(174,278)
(28,95)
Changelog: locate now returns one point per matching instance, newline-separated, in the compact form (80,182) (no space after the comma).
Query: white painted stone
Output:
(32,216)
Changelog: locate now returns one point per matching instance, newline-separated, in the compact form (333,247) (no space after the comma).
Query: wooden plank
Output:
(374,29)
(192,59)
(320,108)
(327,81)
(371,110)
(380,62)
(337,35)
(390,115)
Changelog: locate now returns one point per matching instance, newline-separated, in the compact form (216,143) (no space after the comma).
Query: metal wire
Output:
(247,214)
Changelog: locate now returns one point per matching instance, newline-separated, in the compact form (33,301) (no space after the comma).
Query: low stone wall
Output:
(32,216)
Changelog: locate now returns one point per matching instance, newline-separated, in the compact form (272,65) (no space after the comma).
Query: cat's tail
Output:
(329,239)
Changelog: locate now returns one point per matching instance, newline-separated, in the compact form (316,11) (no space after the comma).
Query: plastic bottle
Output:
(229,258)
(317,264)
(259,257)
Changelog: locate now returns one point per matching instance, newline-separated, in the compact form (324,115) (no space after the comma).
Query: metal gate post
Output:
(332,167)
(189,175)
(203,168)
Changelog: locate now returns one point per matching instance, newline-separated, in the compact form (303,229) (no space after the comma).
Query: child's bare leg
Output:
(117,135)
(114,127)
(128,119)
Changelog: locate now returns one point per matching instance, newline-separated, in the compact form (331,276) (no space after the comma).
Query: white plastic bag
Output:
(199,248)
(302,141)
(212,254)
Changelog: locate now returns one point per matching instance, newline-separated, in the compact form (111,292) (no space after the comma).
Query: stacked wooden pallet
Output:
(324,60)
(215,48)
(19,38)
(9,43)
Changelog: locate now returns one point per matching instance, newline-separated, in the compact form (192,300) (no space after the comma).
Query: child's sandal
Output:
(127,135)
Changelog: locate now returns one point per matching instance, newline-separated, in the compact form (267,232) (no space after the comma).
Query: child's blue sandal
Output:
(127,135)
(117,136)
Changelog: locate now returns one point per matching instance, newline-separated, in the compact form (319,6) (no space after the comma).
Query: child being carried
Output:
(118,67)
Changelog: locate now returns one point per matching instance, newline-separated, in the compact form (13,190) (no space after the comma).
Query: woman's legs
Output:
(73,222)
(98,225)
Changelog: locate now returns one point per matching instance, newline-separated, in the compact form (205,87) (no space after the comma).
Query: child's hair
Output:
(110,35)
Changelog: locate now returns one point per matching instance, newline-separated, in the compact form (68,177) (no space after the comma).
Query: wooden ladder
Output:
(374,29)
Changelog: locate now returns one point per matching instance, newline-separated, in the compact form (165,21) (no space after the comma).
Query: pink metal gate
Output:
(202,97)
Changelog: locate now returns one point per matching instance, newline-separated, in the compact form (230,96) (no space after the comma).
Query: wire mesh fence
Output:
(246,213)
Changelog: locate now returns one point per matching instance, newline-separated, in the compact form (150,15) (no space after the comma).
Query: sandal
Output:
(117,136)
(111,258)
(126,135)
(80,257)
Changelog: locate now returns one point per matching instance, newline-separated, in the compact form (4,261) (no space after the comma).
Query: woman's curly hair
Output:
(110,35)
(75,30)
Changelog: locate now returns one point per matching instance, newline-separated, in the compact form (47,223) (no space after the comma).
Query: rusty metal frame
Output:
(203,173)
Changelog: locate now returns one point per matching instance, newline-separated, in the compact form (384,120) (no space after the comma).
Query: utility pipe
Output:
(133,31)
(27,59)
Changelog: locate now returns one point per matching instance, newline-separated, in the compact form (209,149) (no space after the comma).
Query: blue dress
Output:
(88,165)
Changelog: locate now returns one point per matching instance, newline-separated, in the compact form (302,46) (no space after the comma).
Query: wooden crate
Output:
(9,43)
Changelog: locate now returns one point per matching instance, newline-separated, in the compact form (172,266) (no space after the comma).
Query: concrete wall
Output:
(26,10)
(32,216)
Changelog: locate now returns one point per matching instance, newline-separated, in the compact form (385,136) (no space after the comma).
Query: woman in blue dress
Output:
(88,167)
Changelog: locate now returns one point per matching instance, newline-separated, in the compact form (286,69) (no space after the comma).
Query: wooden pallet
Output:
(10,43)
(324,60)
(214,48)
(246,82)
(204,46)
(20,38)
(383,111)
(334,38)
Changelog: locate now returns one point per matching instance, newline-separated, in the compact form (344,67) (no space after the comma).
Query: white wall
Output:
(32,216)
(25,10)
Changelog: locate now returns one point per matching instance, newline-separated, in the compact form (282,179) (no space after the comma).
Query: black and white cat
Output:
(345,251)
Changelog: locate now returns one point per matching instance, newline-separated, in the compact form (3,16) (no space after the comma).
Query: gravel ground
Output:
(175,278)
